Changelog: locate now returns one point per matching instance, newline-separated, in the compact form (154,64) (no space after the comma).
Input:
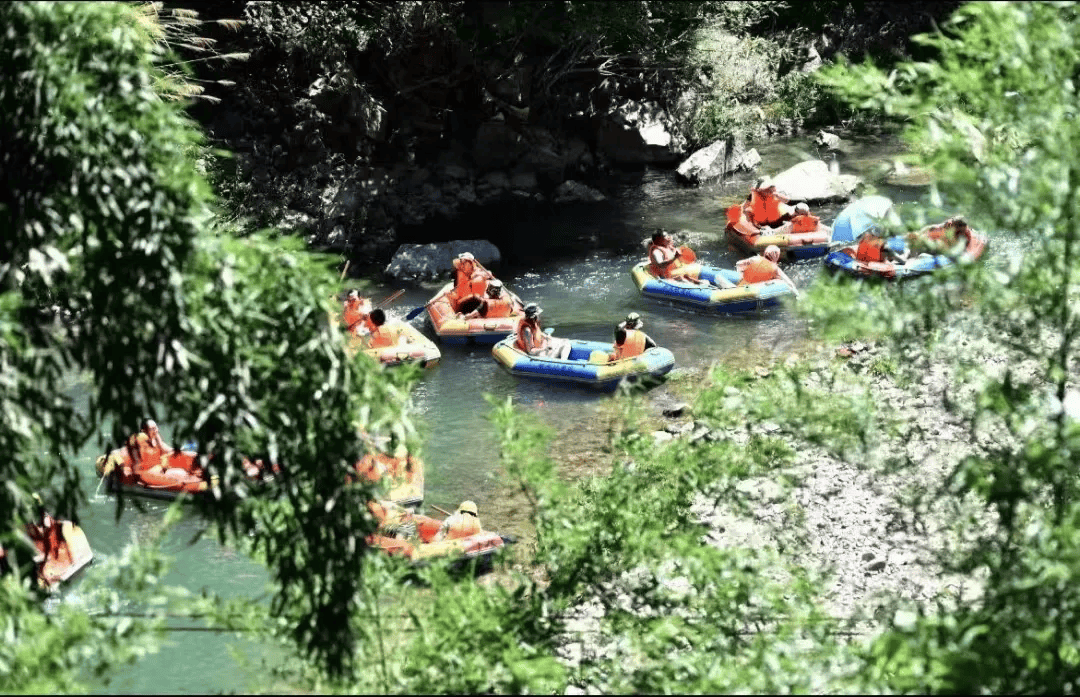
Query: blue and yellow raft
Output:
(741,299)
(578,370)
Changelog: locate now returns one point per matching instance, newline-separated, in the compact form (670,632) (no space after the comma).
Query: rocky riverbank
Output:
(870,523)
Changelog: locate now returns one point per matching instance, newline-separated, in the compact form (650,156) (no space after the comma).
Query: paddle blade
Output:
(687,254)
(413,313)
(859,217)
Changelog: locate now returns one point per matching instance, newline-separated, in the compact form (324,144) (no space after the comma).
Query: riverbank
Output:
(866,519)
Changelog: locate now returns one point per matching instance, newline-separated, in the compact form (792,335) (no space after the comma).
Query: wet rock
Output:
(714,162)
(662,436)
(572,191)
(813,182)
(876,566)
(828,141)
(295,221)
(429,262)
(640,133)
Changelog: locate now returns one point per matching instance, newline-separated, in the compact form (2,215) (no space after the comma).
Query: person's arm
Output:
(659,260)
(649,343)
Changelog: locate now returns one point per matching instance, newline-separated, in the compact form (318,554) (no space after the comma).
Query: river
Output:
(582,282)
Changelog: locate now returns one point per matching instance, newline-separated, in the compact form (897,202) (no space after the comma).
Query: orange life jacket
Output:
(147,453)
(633,346)
(758,270)
(764,208)
(385,336)
(497,307)
(538,337)
(870,249)
(462,525)
(666,253)
(353,314)
(804,223)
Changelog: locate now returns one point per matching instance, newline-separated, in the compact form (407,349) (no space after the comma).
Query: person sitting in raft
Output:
(383,335)
(628,344)
(633,323)
(766,206)
(45,533)
(464,522)
(470,283)
(665,260)
(953,233)
(758,269)
(533,341)
(147,447)
(495,304)
(803,221)
(873,248)
(356,312)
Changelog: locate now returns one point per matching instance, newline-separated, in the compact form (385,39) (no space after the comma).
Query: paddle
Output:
(440,510)
(391,298)
(413,313)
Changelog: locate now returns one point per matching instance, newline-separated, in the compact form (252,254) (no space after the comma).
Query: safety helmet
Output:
(532,310)
(149,423)
(468,507)
(467,256)
(772,252)
(633,319)
(495,286)
(353,294)
(802,208)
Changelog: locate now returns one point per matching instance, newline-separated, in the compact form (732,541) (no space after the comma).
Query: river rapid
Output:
(581,279)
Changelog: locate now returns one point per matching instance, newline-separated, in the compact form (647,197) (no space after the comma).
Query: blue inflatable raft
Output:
(740,299)
(578,370)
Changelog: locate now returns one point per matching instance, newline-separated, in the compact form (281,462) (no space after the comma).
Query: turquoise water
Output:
(583,293)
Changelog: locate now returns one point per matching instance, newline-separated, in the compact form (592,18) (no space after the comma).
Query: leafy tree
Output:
(109,223)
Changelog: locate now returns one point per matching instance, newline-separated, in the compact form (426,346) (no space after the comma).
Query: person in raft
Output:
(803,221)
(950,234)
(758,269)
(383,335)
(463,522)
(470,283)
(633,323)
(628,344)
(665,260)
(873,248)
(495,305)
(533,341)
(356,313)
(766,206)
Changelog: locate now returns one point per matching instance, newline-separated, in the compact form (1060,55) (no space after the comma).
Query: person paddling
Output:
(470,283)
(666,261)
(766,206)
(464,522)
(803,221)
(759,269)
(355,314)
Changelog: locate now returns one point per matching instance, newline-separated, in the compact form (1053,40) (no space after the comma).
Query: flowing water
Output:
(581,280)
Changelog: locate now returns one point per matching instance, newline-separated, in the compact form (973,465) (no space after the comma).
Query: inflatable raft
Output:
(456,330)
(751,239)
(179,474)
(417,348)
(578,369)
(71,556)
(416,542)
(400,478)
(844,261)
(741,299)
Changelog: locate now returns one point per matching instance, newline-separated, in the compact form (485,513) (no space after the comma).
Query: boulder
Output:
(432,262)
(640,133)
(714,162)
(829,141)
(497,145)
(571,191)
(812,182)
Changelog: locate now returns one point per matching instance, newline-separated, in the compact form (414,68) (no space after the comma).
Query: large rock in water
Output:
(812,182)
(716,161)
(638,133)
(431,262)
